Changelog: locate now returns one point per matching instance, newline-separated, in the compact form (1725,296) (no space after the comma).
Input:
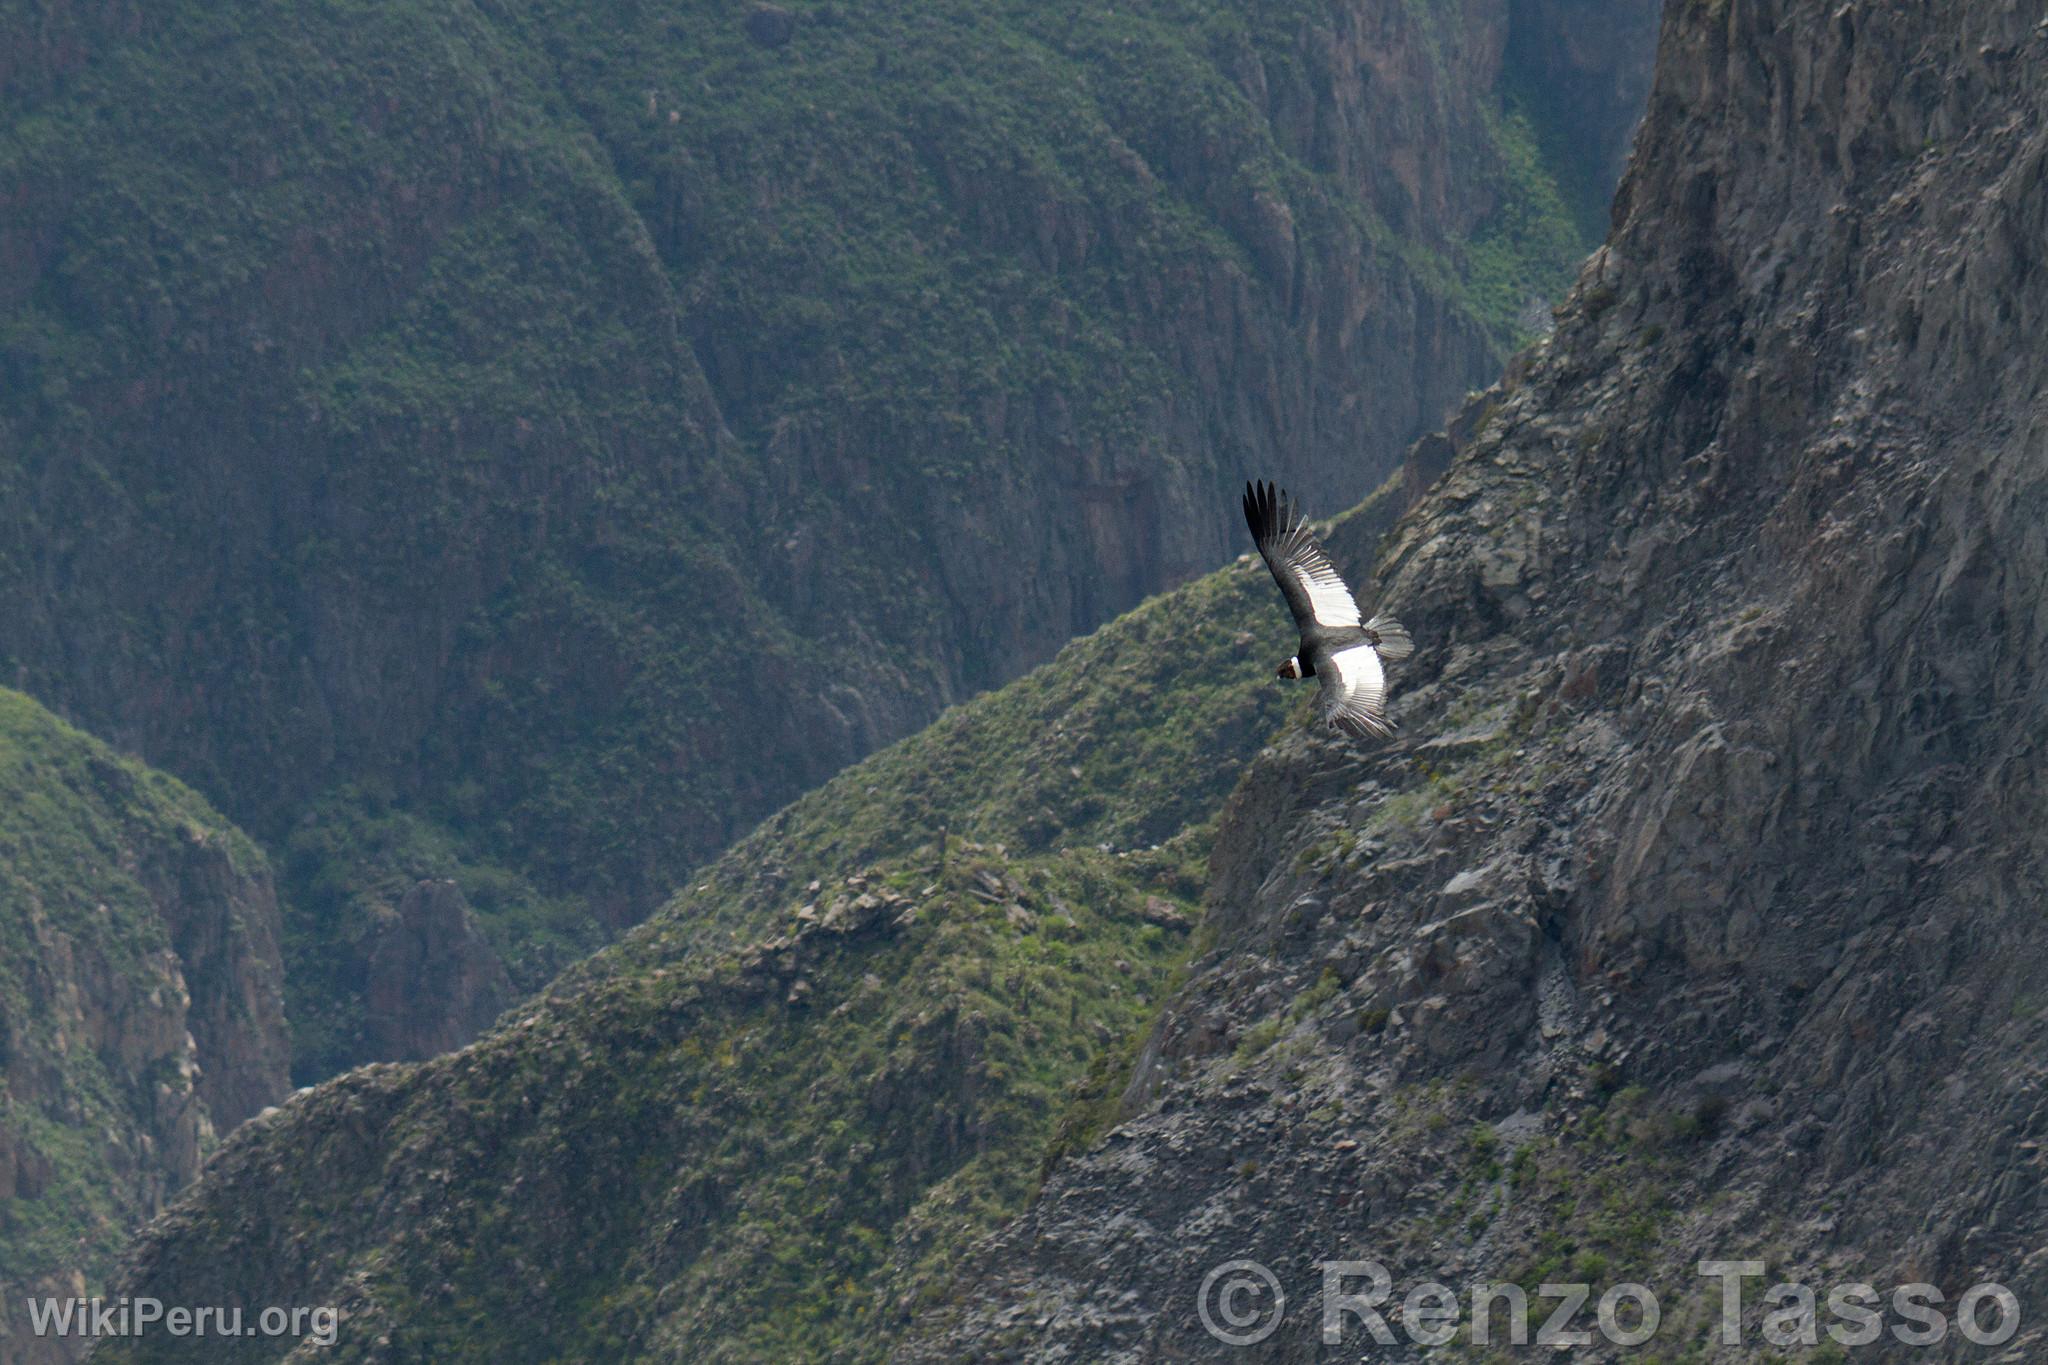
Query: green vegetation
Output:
(788,1159)
(1514,255)
(1603,1199)
(560,435)
(768,1123)
(1131,738)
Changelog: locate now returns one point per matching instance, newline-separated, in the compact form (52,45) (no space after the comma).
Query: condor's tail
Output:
(1390,636)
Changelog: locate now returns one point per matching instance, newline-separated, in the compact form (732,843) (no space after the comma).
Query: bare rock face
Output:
(140,1005)
(223,923)
(1696,912)
(434,981)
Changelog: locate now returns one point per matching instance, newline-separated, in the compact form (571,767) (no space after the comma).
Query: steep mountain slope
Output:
(764,1124)
(1697,914)
(139,1003)
(517,408)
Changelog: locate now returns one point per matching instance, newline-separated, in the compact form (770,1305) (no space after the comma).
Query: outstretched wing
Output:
(1314,591)
(1354,696)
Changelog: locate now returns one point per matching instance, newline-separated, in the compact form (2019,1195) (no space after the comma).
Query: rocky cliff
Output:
(139,1004)
(556,440)
(1696,913)
(1693,914)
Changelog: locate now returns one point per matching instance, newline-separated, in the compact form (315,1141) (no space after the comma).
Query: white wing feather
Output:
(1354,695)
(1328,598)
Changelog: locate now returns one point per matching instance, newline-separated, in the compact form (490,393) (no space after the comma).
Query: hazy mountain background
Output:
(524,445)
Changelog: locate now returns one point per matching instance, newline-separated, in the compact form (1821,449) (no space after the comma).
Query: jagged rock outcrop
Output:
(1695,914)
(140,1005)
(434,981)
(520,413)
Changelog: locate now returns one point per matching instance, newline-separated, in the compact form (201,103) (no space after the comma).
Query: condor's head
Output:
(1292,668)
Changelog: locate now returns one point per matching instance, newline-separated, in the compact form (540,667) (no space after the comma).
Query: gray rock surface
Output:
(1696,911)
(434,981)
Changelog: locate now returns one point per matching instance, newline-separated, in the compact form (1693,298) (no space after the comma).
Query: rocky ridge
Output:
(1694,913)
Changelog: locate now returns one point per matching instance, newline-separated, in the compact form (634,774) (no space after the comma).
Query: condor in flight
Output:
(1336,650)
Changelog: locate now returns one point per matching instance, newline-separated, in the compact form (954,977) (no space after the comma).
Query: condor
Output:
(1346,656)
